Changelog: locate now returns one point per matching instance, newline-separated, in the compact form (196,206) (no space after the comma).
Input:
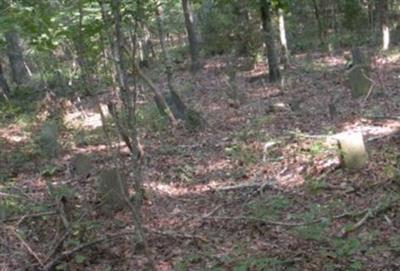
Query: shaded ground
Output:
(250,192)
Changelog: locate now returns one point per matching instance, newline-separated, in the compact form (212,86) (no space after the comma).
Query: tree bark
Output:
(4,88)
(191,118)
(283,39)
(129,104)
(317,13)
(274,72)
(243,28)
(384,23)
(192,35)
(176,100)
(19,71)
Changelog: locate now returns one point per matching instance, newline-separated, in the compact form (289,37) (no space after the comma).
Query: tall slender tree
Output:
(383,7)
(317,13)
(4,88)
(180,110)
(268,29)
(192,35)
(19,71)
(283,39)
(129,107)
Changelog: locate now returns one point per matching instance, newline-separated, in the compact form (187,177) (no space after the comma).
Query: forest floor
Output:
(254,190)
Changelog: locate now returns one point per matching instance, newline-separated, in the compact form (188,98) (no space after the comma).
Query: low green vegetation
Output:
(269,208)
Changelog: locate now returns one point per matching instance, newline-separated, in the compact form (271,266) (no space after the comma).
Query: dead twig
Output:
(58,242)
(70,252)
(263,221)
(61,210)
(346,230)
(21,218)
(299,134)
(288,224)
(255,184)
(213,211)
(370,213)
(56,245)
(371,87)
(175,235)
(27,246)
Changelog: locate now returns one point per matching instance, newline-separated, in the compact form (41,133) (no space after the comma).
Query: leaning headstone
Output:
(359,58)
(358,81)
(48,139)
(81,165)
(110,192)
(352,151)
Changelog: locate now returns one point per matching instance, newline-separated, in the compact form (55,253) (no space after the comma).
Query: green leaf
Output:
(79,259)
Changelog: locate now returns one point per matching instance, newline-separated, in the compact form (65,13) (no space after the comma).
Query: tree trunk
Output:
(176,100)
(192,119)
(4,88)
(317,13)
(384,23)
(192,35)
(274,73)
(371,18)
(243,28)
(283,39)
(129,106)
(19,71)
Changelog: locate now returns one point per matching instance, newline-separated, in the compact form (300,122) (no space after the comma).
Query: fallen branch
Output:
(27,246)
(287,224)
(370,213)
(21,218)
(213,211)
(253,185)
(263,221)
(180,235)
(70,252)
(57,245)
(299,134)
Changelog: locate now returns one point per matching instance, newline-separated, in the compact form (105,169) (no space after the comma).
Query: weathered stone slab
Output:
(81,165)
(110,192)
(48,139)
(358,81)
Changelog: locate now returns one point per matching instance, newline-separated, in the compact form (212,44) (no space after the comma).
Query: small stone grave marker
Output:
(48,139)
(81,165)
(358,81)
(352,151)
(110,192)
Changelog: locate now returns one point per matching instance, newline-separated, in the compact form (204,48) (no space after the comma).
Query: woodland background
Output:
(199,135)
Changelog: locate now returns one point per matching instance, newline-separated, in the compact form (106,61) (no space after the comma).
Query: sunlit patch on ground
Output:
(14,134)
(86,119)
(185,175)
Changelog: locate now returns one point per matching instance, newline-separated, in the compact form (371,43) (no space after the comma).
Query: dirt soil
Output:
(258,189)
